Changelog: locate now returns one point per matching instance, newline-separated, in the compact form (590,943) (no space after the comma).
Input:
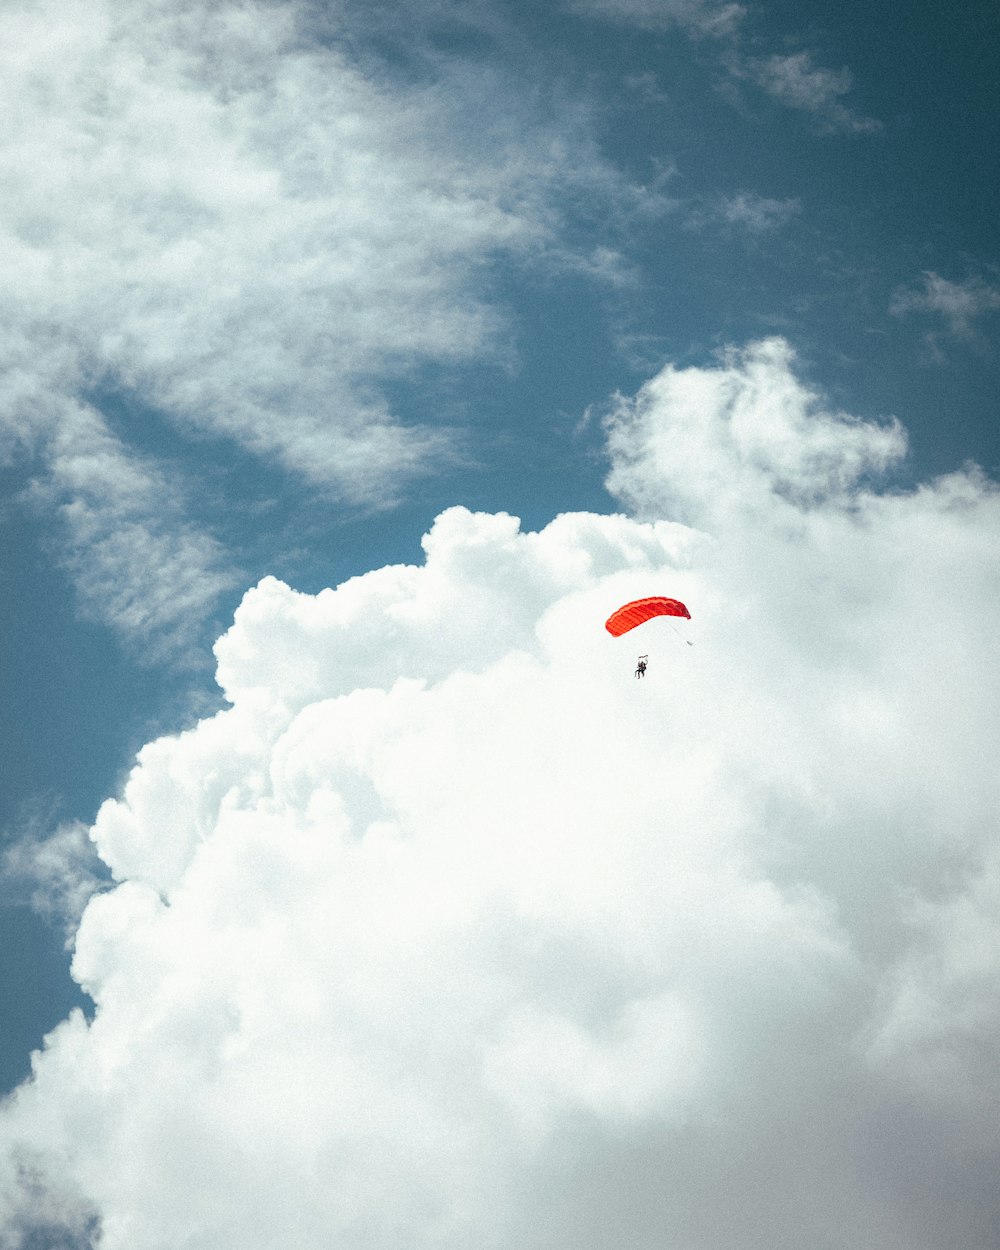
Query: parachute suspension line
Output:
(678,633)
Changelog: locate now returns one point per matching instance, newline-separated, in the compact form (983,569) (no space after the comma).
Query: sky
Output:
(356,361)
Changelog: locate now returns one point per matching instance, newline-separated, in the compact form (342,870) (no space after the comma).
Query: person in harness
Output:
(640,669)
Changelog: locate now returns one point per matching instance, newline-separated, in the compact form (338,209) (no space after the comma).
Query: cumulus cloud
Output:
(676,444)
(216,207)
(448,932)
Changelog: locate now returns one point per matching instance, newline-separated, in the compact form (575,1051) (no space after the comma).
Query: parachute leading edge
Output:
(639,610)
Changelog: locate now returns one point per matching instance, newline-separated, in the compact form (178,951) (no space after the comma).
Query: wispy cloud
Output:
(215,208)
(715,18)
(746,211)
(959,304)
(137,564)
(56,872)
(795,81)
(757,213)
(252,230)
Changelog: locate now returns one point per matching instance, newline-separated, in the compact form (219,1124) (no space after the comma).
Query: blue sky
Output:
(285,281)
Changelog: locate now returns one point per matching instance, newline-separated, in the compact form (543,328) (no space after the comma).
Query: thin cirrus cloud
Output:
(210,210)
(792,79)
(959,304)
(698,17)
(795,81)
(121,534)
(746,212)
(757,213)
(55,872)
(446,924)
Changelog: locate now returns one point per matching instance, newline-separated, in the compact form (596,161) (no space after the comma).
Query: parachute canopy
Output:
(632,614)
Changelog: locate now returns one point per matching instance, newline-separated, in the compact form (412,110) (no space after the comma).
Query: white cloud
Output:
(137,565)
(717,447)
(793,80)
(746,211)
(757,212)
(448,932)
(55,872)
(960,304)
(702,17)
(942,1009)
(208,207)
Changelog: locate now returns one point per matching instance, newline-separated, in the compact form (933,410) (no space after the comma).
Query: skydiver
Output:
(641,667)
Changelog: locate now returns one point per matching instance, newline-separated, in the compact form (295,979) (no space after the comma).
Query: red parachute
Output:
(639,610)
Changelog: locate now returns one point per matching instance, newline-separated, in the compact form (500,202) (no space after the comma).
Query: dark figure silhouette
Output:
(641,667)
